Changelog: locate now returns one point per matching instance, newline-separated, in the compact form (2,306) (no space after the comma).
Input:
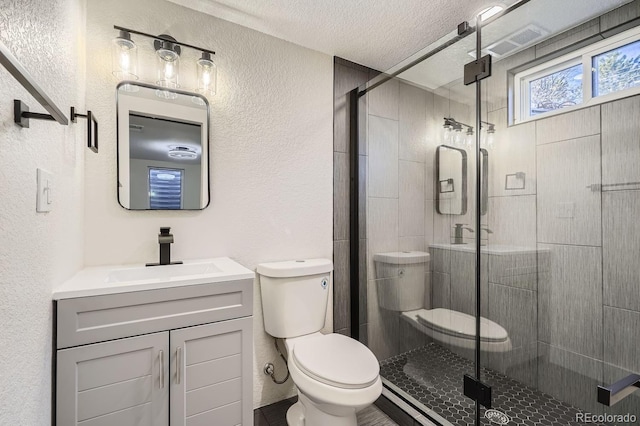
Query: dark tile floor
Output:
(433,375)
(275,415)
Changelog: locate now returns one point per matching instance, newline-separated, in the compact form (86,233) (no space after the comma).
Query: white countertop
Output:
(100,280)
(494,249)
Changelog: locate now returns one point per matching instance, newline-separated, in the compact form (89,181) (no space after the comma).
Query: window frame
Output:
(584,56)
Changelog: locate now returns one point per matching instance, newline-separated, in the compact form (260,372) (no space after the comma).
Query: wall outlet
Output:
(44,199)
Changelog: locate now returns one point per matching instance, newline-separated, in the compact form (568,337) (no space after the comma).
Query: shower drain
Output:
(497,417)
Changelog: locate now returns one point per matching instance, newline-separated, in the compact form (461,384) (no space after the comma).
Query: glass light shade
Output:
(168,67)
(470,138)
(490,138)
(446,134)
(458,138)
(207,75)
(124,57)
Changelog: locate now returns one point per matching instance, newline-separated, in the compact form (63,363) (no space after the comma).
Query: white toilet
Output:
(404,292)
(336,376)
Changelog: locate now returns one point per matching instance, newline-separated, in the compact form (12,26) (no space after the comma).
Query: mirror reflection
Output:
(451,184)
(162,148)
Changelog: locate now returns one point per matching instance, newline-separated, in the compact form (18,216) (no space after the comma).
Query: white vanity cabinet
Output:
(165,357)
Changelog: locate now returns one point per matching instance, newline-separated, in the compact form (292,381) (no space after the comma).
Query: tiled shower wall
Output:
(347,76)
(398,188)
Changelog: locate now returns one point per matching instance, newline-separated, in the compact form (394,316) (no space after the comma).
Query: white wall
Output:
(38,250)
(271,153)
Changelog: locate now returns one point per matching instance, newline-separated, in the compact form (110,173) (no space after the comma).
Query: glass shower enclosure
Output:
(494,218)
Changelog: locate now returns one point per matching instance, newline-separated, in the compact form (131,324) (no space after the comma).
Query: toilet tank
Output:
(294,296)
(400,279)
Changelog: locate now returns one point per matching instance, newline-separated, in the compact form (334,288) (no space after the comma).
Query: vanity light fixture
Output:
(124,57)
(169,54)
(182,153)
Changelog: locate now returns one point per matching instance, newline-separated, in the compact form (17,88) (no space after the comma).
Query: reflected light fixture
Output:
(207,75)
(124,57)
(491,133)
(457,133)
(453,132)
(182,153)
(446,134)
(469,139)
(489,11)
(165,176)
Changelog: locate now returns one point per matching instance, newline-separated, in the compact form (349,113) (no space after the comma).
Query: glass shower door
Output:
(417,161)
(562,277)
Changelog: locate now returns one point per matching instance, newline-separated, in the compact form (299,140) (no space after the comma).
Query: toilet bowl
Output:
(459,329)
(401,288)
(335,376)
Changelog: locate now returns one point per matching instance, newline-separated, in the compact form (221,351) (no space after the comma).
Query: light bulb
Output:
(458,138)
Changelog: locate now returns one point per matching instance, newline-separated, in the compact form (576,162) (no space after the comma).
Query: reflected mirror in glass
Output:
(484,180)
(163,148)
(451,184)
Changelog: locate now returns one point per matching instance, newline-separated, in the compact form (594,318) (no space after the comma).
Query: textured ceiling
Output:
(375,33)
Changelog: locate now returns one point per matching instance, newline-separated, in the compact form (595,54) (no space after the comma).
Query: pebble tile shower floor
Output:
(433,375)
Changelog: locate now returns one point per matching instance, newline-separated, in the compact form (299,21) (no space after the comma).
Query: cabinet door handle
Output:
(161,368)
(178,364)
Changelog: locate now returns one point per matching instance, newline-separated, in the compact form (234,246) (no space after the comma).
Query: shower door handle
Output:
(611,395)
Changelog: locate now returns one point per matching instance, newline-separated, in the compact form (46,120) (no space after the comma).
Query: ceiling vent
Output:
(514,42)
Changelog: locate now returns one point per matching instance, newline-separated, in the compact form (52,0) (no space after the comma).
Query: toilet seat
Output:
(461,325)
(336,360)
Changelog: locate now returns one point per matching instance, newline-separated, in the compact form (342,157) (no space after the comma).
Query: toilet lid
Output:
(459,324)
(337,360)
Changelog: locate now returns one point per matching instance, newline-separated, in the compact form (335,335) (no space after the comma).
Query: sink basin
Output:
(161,272)
(95,281)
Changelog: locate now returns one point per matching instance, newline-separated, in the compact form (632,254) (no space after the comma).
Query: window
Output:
(601,72)
(557,90)
(616,70)
(165,188)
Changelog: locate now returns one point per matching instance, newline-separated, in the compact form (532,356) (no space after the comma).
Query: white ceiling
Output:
(375,33)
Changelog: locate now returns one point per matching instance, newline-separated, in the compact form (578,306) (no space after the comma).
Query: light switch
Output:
(44,198)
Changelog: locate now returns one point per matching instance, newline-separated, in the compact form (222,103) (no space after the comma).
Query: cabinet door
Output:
(122,382)
(211,374)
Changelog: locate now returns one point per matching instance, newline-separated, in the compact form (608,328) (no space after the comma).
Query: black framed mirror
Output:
(163,148)
(451,181)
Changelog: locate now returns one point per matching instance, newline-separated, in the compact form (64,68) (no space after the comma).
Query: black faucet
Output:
(165,239)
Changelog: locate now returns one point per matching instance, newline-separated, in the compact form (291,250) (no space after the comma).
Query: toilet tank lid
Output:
(295,268)
(402,257)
